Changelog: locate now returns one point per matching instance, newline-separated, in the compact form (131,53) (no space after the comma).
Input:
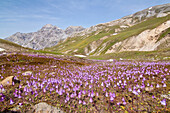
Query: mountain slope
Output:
(10,46)
(47,36)
(126,34)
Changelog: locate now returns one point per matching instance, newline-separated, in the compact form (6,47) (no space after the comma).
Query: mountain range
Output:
(146,30)
(47,36)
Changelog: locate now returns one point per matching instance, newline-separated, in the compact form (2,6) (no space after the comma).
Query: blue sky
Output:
(30,15)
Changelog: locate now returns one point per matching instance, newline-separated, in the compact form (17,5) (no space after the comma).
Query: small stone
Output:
(45,70)
(149,88)
(27,73)
(52,73)
(53,66)
(45,108)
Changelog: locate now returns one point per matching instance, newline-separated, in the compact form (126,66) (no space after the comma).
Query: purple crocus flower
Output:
(153,96)
(65,101)
(84,103)
(20,104)
(92,94)
(124,103)
(102,84)
(11,101)
(106,94)
(111,98)
(163,102)
(164,85)
(80,101)
(19,96)
(91,100)
(135,92)
(67,98)
(97,94)
(118,103)
(84,92)
(130,89)
(79,96)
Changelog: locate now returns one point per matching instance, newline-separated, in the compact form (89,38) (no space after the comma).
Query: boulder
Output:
(7,81)
(45,108)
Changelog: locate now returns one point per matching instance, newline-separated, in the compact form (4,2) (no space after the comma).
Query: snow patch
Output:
(111,60)
(114,34)
(150,8)
(1,49)
(91,51)
(80,56)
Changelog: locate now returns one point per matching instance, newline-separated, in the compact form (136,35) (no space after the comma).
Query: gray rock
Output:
(45,108)
(149,89)
(47,36)
(27,73)
(158,11)
(7,81)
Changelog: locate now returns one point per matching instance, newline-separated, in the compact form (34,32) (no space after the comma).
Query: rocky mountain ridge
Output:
(146,30)
(145,41)
(136,32)
(130,20)
(47,36)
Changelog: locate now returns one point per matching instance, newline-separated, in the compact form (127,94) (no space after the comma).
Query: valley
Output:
(121,66)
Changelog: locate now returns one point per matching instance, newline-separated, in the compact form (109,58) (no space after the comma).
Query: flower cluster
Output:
(100,86)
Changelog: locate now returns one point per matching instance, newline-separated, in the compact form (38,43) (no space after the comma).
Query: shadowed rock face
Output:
(47,36)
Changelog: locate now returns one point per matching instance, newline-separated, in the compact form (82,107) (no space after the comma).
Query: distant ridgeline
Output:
(146,30)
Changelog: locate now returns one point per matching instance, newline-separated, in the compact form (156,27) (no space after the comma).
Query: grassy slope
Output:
(166,32)
(134,30)
(13,46)
(80,43)
(46,52)
(9,43)
(141,55)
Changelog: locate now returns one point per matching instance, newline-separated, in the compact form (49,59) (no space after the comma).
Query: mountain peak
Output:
(48,25)
(72,29)
(47,36)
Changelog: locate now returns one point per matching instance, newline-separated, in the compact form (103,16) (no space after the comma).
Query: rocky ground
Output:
(47,83)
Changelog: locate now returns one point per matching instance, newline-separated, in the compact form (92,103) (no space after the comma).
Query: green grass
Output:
(13,44)
(49,52)
(166,32)
(84,41)
(9,43)
(141,55)
(80,43)
(133,31)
